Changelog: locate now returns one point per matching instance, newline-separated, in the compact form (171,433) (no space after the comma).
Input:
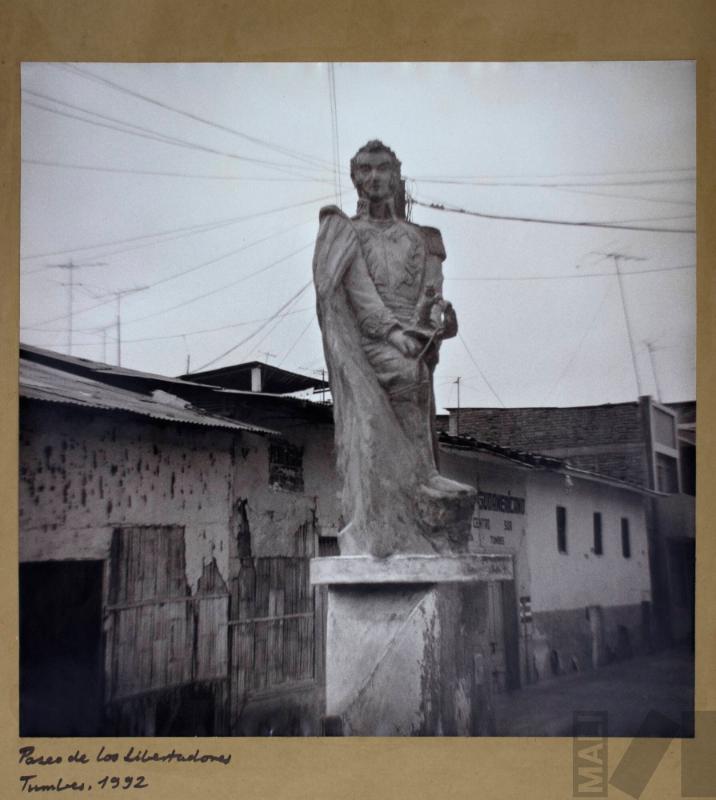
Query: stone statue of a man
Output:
(378,283)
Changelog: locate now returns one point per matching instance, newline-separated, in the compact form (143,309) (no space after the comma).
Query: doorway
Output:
(61,648)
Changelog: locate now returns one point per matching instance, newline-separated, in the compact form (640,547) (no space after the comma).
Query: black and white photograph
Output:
(357,399)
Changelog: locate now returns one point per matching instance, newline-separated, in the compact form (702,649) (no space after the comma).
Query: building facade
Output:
(650,444)
(166,529)
(164,563)
(581,597)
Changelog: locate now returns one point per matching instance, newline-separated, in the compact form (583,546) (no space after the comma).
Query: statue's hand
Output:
(407,345)
(449,321)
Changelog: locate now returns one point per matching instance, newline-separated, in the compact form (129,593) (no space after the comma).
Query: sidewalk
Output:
(627,691)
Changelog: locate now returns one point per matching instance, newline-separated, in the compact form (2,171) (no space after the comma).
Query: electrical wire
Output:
(166,106)
(134,130)
(222,288)
(479,369)
(167,335)
(580,344)
(567,277)
(187,230)
(625,196)
(297,340)
(613,225)
(258,330)
(127,171)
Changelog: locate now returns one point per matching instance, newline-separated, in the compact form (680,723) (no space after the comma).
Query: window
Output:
(664,431)
(626,539)
(667,479)
(286,466)
(598,548)
(561,529)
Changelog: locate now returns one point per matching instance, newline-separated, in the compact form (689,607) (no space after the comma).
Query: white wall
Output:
(493,531)
(579,578)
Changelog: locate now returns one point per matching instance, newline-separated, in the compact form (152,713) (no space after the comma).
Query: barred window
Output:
(286,466)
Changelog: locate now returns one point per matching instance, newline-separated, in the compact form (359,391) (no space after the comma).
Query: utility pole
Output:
(618,258)
(650,348)
(70,266)
(118,321)
(103,330)
(457,415)
(322,373)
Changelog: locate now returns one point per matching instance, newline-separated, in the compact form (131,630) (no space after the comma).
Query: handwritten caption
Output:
(36,781)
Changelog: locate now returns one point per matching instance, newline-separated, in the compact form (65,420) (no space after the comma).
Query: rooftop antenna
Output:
(322,372)
(119,294)
(70,266)
(618,258)
(650,348)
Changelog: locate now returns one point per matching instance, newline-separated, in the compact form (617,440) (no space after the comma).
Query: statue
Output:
(378,282)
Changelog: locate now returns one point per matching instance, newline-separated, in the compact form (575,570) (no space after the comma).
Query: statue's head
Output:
(375,172)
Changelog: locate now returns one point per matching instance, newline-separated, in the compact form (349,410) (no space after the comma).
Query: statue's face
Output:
(374,175)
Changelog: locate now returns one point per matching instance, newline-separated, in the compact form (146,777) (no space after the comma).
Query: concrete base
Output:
(407,658)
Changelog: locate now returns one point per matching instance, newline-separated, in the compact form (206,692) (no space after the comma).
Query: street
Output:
(627,691)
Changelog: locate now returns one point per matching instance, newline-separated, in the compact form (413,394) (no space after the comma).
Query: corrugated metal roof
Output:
(40,382)
(113,375)
(537,461)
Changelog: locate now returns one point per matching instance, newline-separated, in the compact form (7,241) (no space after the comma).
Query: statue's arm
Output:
(374,318)
(443,313)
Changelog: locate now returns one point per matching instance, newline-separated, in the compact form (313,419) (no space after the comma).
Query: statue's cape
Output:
(375,459)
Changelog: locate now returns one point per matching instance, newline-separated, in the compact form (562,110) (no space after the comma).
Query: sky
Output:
(194,190)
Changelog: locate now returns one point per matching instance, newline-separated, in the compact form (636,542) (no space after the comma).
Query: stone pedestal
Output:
(407,643)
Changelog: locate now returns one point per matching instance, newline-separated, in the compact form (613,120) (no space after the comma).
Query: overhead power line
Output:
(189,115)
(334,128)
(557,176)
(625,196)
(259,329)
(165,174)
(166,336)
(221,288)
(297,340)
(479,369)
(566,277)
(147,133)
(613,225)
(559,184)
(580,344)
(187,230)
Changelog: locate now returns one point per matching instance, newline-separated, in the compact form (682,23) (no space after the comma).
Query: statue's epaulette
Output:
(433,242)
(327,211)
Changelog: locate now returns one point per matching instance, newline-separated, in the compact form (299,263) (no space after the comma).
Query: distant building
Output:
(166,526)
(646,443)
(582,592)
(164,555)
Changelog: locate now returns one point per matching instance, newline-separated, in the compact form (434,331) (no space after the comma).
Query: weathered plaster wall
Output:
(495,531)
(580,639)
(579,578)
(280,519)
(82,474)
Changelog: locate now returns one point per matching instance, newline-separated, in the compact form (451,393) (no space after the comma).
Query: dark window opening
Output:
(561,529)
(598,546)
(626,539)
(687,460)
(664,428)
(667,479)
(286,466)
